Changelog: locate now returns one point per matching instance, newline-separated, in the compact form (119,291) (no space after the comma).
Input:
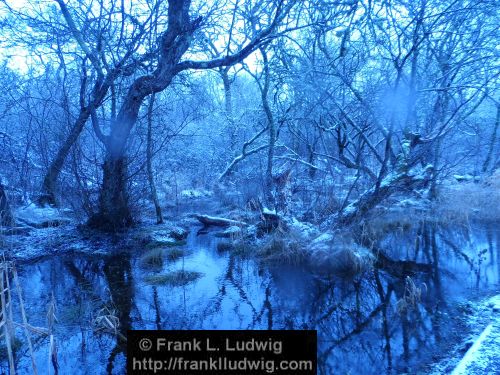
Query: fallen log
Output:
(218,221)
(395,183)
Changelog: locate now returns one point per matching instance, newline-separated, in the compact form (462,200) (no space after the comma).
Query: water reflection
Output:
(389,320)
(118,274)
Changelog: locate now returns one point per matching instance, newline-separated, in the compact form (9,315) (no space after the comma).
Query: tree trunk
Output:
(149,162)
(433,189)
(114,212)
(48,190)
(218,221)
(272,132)
(493,140)
(283,191)
(228,103)
(6,218)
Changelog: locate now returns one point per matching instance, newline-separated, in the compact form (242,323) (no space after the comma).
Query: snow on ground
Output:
(482,350)
(194,193)
(267,211)
(467,177)
(51,241)
(41,217)
(483,357)
(302,230)
(231,232)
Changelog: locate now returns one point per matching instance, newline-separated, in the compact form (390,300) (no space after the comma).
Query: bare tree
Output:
(114,211)
(106,75)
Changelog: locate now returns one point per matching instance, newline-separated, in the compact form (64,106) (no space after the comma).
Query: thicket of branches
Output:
(321,108)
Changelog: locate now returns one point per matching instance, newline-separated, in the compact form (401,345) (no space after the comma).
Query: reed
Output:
(9,286)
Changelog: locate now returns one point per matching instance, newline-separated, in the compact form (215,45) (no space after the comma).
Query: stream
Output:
(372,323)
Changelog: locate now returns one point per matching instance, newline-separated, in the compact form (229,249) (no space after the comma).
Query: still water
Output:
(375,323)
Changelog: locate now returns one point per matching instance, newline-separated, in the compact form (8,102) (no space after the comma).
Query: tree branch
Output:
(263,37)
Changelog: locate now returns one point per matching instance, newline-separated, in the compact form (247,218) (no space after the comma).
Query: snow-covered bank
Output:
(483,357)
(482,348)
(72,238)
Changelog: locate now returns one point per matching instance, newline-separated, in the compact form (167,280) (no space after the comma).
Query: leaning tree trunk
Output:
(399,182)
(408,176)
(6,218)
(48,191)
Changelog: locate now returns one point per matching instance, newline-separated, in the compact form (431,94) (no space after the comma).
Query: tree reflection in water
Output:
(394,318)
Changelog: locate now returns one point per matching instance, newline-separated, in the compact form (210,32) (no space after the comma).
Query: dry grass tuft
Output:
(174,278)
(471,200)
(393,222)
(8,273)
(106,321)
(154,258)
(345,259)
(411,297)
(281,248)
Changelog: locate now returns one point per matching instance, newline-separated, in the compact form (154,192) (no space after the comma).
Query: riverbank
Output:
(478,352)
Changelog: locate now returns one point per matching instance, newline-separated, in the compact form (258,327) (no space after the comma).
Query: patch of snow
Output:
(195,193)
(325,237)
(164,239)
(482,356)
(232,231)
(41,217)
(267,211)
(169,235)
(251,231)
(388,180)
(460,178)
(411,202)
(494,303)
(466,178)
(303,230)
(350,209)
